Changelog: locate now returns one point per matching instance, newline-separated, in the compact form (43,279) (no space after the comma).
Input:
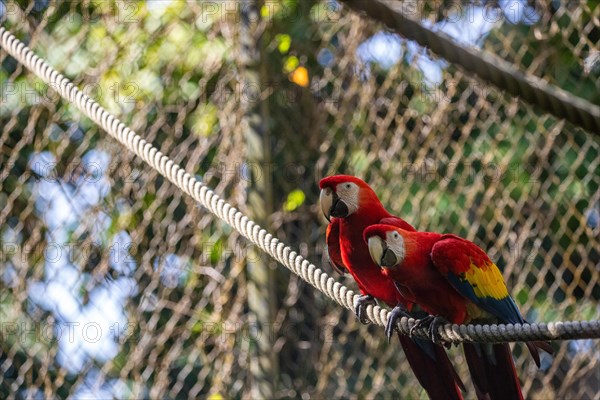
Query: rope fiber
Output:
(267,242)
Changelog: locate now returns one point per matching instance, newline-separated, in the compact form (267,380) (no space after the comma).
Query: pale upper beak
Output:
(376,248)
(326,201)
(380,253)
(332,205)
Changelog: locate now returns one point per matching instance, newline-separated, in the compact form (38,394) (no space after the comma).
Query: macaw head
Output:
(386,245)
(344,195)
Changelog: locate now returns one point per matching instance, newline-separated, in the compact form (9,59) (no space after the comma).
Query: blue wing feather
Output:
(505,309)
(470,271)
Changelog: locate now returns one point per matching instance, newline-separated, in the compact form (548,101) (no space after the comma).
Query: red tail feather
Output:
(438,377)
(493,371)
(533,349)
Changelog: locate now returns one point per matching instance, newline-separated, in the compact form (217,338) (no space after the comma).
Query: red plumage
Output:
(348,252)
(453,278)
(420,282)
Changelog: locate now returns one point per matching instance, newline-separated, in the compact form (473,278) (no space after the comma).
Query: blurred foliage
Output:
(456,156)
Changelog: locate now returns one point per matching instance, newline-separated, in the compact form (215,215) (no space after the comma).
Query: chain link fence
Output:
(114,284)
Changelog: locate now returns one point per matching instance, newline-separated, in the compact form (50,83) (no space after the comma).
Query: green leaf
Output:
(204,120)
(290,64)
(216,252)
(294,200)
(359,161)
(285,42)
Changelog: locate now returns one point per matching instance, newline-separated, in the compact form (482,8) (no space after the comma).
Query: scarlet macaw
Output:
(455,281)
(351,205)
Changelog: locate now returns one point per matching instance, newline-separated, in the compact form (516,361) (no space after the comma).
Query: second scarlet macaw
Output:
(351,205)
(454,280)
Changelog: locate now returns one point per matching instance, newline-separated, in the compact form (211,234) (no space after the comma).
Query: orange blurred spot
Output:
(300,77)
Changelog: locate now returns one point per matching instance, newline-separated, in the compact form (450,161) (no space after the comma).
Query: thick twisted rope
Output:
(259,236)
(488,67)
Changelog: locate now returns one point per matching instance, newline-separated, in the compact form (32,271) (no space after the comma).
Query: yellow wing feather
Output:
(487,281)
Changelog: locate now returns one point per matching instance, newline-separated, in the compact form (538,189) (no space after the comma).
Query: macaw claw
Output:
(431,323)
(360,308)
(397,312)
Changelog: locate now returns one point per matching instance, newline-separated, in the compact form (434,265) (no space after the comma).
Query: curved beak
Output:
(389,259)
(326,201)
(380,253)
(332,205)
(376,248)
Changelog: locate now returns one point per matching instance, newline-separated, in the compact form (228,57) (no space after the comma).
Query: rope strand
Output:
(250,230)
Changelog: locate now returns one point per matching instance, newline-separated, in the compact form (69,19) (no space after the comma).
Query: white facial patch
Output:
(348,193)
(395,242)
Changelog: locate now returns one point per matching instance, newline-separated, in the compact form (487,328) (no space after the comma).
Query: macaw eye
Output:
(348,186)
(396,235)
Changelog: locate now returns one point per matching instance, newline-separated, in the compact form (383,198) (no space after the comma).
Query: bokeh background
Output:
(115,284)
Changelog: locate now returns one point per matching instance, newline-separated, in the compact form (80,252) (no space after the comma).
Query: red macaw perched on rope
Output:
(455,281)
(351,205)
